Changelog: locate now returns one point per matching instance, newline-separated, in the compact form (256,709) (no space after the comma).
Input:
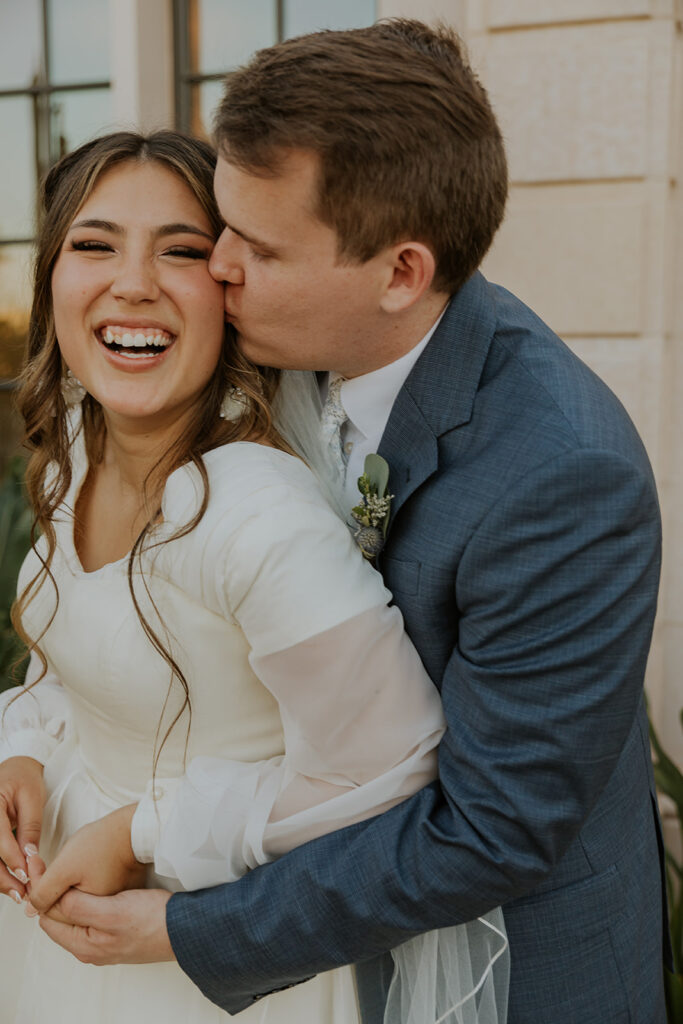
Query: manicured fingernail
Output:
(15,896)
(20,875)
(31,850)
(31,910)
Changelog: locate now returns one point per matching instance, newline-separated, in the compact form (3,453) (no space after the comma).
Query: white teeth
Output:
(126,339)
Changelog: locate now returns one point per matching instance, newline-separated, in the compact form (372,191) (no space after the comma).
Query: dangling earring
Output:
(234,404)
(73,391)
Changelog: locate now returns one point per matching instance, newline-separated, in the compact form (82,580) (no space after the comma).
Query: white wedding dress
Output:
(295,665)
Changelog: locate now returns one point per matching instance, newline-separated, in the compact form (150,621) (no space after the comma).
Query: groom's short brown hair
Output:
(409,147)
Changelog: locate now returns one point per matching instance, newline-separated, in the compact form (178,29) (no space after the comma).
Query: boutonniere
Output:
(372,511)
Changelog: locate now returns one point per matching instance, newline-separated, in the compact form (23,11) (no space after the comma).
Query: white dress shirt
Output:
(368,401)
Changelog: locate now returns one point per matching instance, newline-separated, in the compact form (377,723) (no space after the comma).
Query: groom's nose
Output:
(225,263)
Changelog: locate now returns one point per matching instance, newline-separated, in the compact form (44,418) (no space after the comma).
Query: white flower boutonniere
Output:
(372,511)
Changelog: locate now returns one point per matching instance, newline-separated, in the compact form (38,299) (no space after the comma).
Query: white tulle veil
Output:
(296,412)
(456,975)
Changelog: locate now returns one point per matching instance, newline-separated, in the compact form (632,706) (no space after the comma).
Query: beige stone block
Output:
(450,11)
(141,33)
(584,257)
(507,13)
(585,102)
(633,369)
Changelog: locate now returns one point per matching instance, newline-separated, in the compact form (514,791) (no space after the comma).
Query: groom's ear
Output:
(410,270)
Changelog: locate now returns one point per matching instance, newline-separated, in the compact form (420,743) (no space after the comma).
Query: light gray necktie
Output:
(332,419)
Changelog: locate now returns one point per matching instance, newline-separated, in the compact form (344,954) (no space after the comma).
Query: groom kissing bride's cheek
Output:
(361,178)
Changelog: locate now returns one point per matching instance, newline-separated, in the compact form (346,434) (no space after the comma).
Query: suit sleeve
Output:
(556,592)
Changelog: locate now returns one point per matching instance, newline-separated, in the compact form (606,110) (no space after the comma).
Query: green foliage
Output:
(375,505)
(670,781)
(15,526)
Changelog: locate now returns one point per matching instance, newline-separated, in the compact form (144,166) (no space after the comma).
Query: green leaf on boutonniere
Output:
(373,510)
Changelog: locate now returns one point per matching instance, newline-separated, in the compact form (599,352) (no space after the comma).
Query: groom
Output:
(362,178)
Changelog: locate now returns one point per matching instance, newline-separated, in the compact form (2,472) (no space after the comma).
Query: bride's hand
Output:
(98,859)
(22,798)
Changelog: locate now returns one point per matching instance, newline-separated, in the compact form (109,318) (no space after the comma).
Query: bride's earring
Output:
(233,405)
(73,391)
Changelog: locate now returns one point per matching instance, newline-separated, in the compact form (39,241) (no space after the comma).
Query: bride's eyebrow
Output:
(178,228)
(182,229)
(103,225)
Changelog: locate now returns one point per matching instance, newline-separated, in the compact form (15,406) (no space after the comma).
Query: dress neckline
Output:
(79,470)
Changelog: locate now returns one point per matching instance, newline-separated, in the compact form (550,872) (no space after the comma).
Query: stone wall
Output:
(589,96)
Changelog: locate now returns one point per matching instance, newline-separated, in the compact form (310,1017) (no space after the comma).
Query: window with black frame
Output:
(213,36)
(54,94)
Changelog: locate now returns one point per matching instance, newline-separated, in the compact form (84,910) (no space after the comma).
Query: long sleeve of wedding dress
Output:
(34,725)
(361,722)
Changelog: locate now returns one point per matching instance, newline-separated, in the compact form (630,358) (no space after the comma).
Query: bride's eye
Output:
(187,252)
(90,245)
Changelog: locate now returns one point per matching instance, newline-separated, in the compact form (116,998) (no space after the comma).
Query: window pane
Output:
(15,301)
(78,40)
(224,33)
(205,99)
(76,117)
(20,43)
(310,15)
(17,167)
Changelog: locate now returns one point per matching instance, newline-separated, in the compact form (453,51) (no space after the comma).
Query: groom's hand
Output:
(129,928)
(98,859)
(22,798)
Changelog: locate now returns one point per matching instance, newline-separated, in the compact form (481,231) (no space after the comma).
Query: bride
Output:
(216,672)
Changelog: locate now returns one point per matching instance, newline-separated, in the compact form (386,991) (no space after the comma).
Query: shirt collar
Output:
(368,399)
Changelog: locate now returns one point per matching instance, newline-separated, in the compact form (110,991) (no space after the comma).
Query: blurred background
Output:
(590,96)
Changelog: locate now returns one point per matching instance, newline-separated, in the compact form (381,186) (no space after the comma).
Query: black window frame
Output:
(40,91)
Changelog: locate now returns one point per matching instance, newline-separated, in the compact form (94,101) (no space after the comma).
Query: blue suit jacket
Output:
(524,553)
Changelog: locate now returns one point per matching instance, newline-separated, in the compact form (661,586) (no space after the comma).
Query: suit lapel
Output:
(440,391)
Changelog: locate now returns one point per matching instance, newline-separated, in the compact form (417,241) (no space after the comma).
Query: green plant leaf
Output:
(673,988)
(377,471)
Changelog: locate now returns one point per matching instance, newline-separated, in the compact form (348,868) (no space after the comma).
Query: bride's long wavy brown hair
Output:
(40,396)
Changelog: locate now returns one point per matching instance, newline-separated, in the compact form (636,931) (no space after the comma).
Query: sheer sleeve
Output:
(361,721)
(361,718)
(33,724)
